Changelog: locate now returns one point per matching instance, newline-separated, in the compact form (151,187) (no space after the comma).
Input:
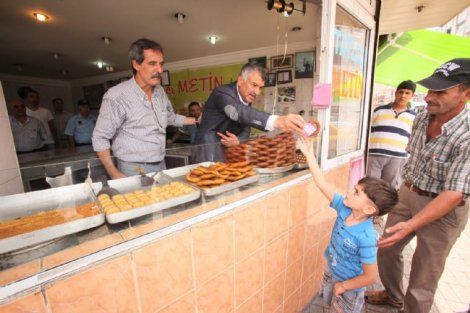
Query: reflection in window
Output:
(349,68)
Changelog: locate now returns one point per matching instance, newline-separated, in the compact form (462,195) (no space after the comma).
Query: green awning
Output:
(414,55)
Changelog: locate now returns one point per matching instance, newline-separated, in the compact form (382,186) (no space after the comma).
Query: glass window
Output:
(349,70)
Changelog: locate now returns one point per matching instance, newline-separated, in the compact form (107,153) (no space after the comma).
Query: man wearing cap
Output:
(433,202)
(389,134)
(80,127)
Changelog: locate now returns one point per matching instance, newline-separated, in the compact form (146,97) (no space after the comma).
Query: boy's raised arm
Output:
(306,146)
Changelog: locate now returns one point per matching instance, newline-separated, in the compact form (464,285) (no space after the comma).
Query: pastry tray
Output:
(130,184)
(180,174)
(275,170)
(19,205)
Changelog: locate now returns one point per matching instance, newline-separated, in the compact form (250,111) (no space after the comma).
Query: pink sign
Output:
(356,171)
(321,96)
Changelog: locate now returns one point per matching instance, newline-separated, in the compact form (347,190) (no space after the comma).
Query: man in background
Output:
(195,111)
(80,126)
(390,131)
(61,118)
(31,98)
(28,132)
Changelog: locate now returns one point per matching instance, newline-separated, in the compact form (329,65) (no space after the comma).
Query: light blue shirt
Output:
(81,128)
(189,130)
(350,246)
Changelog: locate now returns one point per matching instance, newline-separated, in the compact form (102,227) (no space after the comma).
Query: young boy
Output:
(351,254)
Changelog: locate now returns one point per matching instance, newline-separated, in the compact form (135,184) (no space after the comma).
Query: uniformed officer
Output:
(80,127)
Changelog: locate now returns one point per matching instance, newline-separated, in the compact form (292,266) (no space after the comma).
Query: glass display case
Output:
(70,201)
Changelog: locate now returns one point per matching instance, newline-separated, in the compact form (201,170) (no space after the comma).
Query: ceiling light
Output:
(41,17)
(213,39)
(106,40)
(64,72)
(56,55)
(180,17)
(109,68)
(99,64)
(19,67)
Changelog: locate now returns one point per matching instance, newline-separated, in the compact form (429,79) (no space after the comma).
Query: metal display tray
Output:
(180,173)
(129,184)
(274,170)
(300,166)
(19,205)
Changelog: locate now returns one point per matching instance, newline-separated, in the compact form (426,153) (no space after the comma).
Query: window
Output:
(349,70)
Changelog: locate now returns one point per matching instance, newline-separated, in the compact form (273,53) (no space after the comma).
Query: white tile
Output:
(8,159)
(10,182)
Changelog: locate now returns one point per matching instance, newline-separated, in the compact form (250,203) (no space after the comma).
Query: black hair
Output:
(193,104)
(407,84)
(24,91)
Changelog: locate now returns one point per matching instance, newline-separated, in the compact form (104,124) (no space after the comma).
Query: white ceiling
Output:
(76,26)
(402,15)
(75,29)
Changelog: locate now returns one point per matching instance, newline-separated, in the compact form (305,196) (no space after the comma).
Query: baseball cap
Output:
(448,75)
(83,102)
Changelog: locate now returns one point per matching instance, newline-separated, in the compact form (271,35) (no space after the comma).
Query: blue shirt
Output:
(350,246)
(189,130)
(81,128)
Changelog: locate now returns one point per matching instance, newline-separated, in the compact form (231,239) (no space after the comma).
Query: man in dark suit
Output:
(228,115)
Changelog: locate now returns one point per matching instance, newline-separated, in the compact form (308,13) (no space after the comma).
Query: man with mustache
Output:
(134,116)
(228,115)
(433,199)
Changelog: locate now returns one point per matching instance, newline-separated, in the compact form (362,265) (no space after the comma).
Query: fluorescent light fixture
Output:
(100,64)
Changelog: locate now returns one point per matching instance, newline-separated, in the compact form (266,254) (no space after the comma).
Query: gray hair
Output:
(136,50)
(248,68)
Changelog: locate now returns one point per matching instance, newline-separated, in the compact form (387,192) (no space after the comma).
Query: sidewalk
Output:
(453,293)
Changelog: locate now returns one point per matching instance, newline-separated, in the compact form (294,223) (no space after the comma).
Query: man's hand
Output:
(338,289)
(290,122)
(397,231)
(229,139)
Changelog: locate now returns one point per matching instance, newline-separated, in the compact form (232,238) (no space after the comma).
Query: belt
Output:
(142,163)
(425,193)
(420,192)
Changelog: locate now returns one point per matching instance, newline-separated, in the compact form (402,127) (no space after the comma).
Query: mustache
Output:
(156,75)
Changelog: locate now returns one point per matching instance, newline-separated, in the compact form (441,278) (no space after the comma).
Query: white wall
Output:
(48,89)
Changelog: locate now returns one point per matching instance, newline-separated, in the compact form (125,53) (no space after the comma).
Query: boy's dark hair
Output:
(381,193)
(407,84)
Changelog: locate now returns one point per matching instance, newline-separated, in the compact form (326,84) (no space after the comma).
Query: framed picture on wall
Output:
(282,61)
(284,76)
(270,80)
(304,64)
(260,60)
(165,80)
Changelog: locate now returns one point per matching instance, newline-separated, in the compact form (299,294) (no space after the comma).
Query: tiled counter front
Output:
(265,256)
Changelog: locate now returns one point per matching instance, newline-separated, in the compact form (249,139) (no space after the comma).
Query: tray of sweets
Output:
(32,218)
(224,185)
(136,200)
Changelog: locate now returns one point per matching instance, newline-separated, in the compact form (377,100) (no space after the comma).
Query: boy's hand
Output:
(306,146)
(339,289)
